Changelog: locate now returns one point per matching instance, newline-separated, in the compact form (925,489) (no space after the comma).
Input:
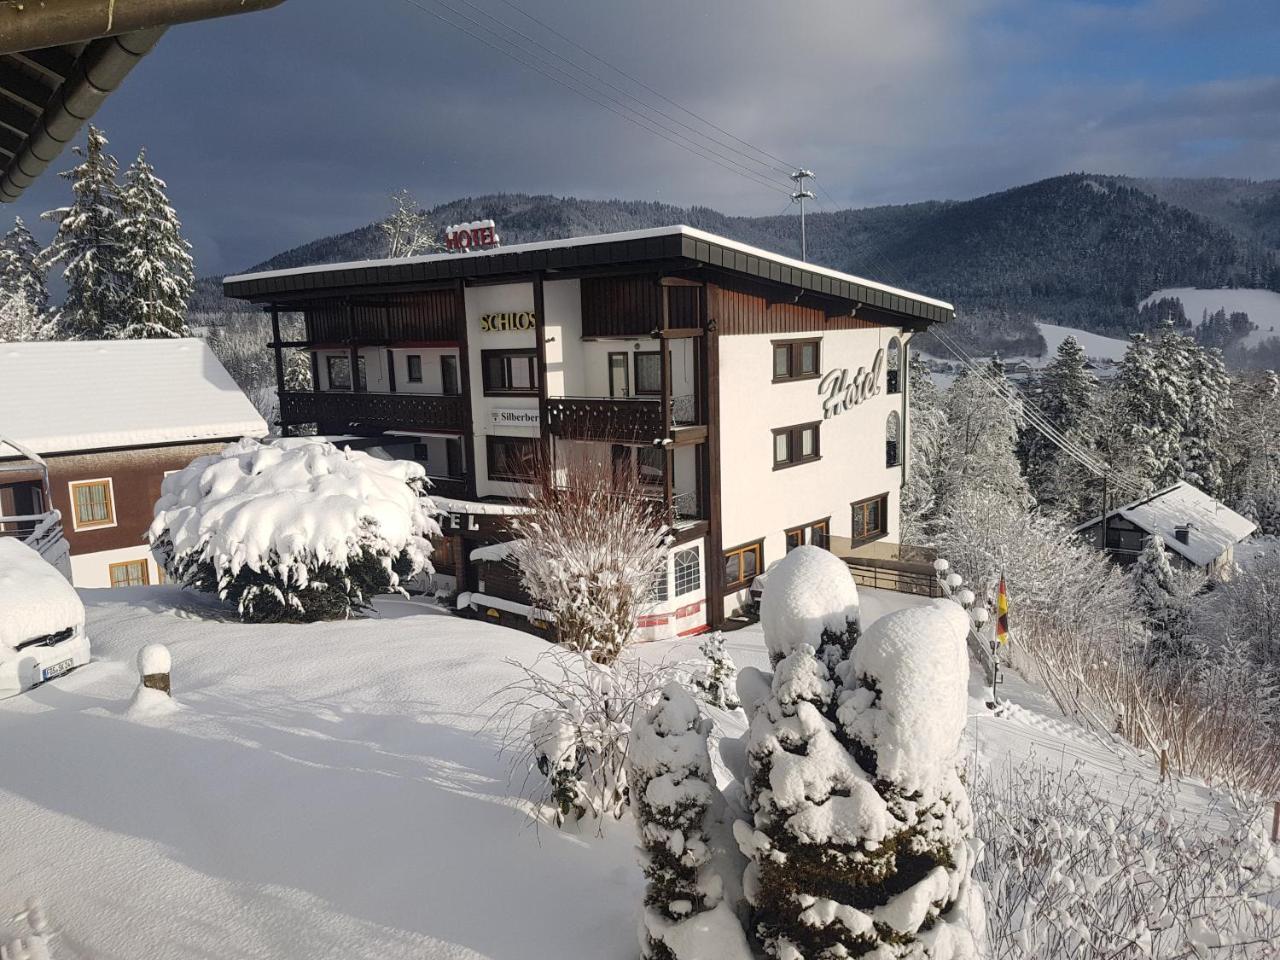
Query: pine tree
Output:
(1162,599)
(672,793)
(22,273)
(1144,432)
(20,321)
(979,446)
(156,260)
(89,245)
(1208,410)
(925,436)
(716,681)
(1068,401)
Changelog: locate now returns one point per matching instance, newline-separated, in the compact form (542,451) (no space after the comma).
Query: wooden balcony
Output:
(341,410)
(606,419)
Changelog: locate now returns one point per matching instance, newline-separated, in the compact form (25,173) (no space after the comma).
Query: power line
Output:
(539,65)
(785,168)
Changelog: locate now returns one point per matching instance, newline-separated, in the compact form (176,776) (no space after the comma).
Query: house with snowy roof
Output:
(1199,531)
(108,420)
(762,400)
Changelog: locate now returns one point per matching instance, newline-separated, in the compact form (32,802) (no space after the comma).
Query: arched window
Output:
(893,368)
(892,438)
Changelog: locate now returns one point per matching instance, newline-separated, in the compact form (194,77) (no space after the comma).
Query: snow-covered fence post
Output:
(154,666)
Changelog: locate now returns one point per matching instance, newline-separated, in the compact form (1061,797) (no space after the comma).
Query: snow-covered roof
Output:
(58,397)
(679,229)
(1213,526)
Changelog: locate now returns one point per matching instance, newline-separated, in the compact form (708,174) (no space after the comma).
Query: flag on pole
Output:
(1002,613)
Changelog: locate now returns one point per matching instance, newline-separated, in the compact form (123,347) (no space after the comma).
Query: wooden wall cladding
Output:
(430,315)
(621,306)
(740,311)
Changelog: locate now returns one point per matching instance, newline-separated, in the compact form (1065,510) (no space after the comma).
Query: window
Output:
(133,573)
(619,375)
(796,359)
(339,368)
(513,458)
(688,571)
(651,464)
(449,375)
(742,564)
(444,555)
(892,448)
(870,518)
(93,504)
(893,368)
(512,372)
(414,362)
(658,591)
(648,373)
(816,534)
(794,445)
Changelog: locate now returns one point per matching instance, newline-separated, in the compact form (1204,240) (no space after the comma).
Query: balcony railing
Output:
(606,419)
(436,412)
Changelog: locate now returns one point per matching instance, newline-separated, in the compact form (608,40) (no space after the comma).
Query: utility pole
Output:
(801,195)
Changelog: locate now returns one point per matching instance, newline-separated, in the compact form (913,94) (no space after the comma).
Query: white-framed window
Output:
(93,504)
(688,571)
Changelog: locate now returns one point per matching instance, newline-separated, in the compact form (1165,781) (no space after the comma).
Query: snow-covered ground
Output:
(331,790)
(1096,346)
(1262,306)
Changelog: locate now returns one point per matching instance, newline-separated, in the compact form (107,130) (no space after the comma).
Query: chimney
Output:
(1183,533)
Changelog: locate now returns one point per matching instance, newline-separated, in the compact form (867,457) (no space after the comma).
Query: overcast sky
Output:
(275,128)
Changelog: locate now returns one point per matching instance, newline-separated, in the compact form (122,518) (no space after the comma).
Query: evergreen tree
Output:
(156,260)
(1208,411)
(22,274)
(89,245)
(927,426)
(1068,401)
(716,681)
(979,448)
(1162,599)
(20,321)
(1144,430)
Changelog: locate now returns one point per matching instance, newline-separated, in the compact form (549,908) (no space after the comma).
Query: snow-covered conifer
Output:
(157,264)
(22,272)
(408,230)
(1162,597)
(1068,401)
(928,427)
(19,321)
(716,682)
(89,245)
(979,448)
(810,598)
(672,792)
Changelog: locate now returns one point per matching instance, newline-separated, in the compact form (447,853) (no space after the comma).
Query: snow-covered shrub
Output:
(860,833)
(1074,867)
(716,681)
(567,722)
(1163,598)
(587,551)
(672,791)
(810,598)
(296,530)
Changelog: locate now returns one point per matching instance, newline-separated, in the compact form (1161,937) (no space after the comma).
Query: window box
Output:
(793,446)
(796,360)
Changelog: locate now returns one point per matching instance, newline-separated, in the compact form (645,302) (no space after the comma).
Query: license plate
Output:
(57,670)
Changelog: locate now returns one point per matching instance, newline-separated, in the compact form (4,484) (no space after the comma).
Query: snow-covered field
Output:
(1262,306)
(331,790)
(1096,346)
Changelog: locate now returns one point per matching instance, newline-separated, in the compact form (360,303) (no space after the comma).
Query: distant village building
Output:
(109,419)
(1199,531)
(762,400)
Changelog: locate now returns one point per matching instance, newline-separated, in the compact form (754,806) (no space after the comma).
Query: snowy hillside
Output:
(1262,306)
(1096,346)
(332,791)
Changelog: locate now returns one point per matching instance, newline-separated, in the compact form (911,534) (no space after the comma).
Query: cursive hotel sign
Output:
(839,391)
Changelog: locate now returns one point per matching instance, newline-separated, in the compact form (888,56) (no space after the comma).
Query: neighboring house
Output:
(110,419)
(761,399)
(1199,531)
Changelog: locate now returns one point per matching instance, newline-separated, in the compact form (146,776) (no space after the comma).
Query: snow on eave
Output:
(1214,527)
(676,229)
(494,552)
(85,395)
(479,507)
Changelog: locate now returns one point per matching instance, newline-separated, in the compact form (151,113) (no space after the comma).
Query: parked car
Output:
(42,633)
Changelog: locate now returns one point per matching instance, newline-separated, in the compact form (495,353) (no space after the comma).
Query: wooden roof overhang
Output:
(60,61)
(674,252)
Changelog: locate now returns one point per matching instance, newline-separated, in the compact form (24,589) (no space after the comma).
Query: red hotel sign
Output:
(477,235)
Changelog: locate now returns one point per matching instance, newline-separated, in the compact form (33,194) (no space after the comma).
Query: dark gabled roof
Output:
(59,61)
(672,245)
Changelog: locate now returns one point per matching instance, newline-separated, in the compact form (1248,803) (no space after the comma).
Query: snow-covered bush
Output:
(716,681)
(860,827)
(296,530)
(587,551)
(1163,598)
(810,598)
(1078,868)
(672,791)
(566,721)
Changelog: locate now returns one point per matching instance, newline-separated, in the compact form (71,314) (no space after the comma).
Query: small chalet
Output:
(1199,531)
(95,427)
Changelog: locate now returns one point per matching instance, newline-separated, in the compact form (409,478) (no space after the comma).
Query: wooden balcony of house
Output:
(622,419)
(427,411)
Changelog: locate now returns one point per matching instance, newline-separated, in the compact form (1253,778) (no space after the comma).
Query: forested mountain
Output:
(1077,250)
